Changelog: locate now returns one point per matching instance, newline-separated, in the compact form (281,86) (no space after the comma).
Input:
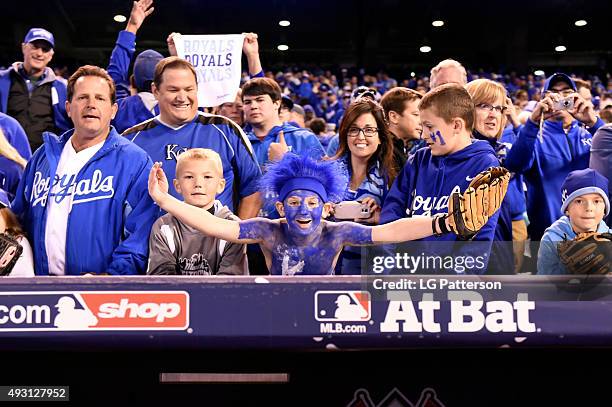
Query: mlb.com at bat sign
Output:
(334,308)
(94,311)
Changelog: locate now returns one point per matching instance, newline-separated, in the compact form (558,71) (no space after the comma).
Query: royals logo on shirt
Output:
(85,190)
(342,306)
(94,310)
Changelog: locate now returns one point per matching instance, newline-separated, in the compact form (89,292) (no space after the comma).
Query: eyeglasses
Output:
(367,131)
(491,108)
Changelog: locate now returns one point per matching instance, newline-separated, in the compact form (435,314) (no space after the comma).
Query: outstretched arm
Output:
(198,218)
(401,230)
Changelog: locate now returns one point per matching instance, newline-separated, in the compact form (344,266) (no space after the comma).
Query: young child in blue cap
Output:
(584,205)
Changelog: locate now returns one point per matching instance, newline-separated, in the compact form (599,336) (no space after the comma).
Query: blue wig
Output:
(328,179)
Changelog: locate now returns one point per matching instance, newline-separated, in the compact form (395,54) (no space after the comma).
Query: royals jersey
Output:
(164,144)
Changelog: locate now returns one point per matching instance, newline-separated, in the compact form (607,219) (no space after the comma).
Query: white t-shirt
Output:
(60,203)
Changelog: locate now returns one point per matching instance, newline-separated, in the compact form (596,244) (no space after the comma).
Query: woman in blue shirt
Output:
(366,148)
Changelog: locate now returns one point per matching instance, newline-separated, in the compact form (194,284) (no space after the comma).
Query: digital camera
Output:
(565,104)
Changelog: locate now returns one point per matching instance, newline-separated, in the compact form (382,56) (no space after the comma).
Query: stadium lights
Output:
(437,23)
(538,72)
(283,47)
(412,74)
(425,48)
(284,23)
(120,18)
(560,48)
(580,23)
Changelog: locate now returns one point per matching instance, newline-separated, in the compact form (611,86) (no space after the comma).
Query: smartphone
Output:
(351,210)
(565,104)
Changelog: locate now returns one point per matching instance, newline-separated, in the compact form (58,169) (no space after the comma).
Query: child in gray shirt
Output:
(178,249)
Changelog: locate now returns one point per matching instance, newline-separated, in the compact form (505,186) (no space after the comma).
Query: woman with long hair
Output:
(366,148)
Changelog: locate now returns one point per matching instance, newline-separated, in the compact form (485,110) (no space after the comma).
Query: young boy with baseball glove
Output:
(579,242)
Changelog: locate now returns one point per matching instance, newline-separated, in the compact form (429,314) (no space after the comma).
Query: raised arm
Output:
(250,47)
(118,67)
(198,218)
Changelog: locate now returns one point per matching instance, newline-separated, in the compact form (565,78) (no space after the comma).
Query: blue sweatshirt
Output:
(545,161)
(112,213)
(423,187)
(300,141)
(548,256)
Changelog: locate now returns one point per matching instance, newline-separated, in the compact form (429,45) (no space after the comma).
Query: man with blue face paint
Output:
(303,242)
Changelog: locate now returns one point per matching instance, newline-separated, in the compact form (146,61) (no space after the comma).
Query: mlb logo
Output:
(342,306)
(94,310)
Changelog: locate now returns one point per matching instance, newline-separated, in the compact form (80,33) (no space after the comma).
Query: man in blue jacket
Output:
(30,92)
(553,143)
(83,197)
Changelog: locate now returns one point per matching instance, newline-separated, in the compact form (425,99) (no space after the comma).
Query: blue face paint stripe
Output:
(442,142)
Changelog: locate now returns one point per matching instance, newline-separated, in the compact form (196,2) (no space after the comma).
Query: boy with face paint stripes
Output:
(303,242)
(448,164)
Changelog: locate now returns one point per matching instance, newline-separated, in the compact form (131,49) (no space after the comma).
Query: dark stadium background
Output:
(493,35)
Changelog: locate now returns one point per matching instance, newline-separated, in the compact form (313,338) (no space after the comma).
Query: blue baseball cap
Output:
(558,77)
(39,34)
(144,67)
(582,182)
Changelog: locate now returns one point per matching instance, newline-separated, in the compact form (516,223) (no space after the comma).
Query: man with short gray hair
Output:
(30,92)
(447,71)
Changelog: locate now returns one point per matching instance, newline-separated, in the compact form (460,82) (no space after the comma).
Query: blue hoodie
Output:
(546,161)
(548,257)
(423,187)
(300,141)
(112,213)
